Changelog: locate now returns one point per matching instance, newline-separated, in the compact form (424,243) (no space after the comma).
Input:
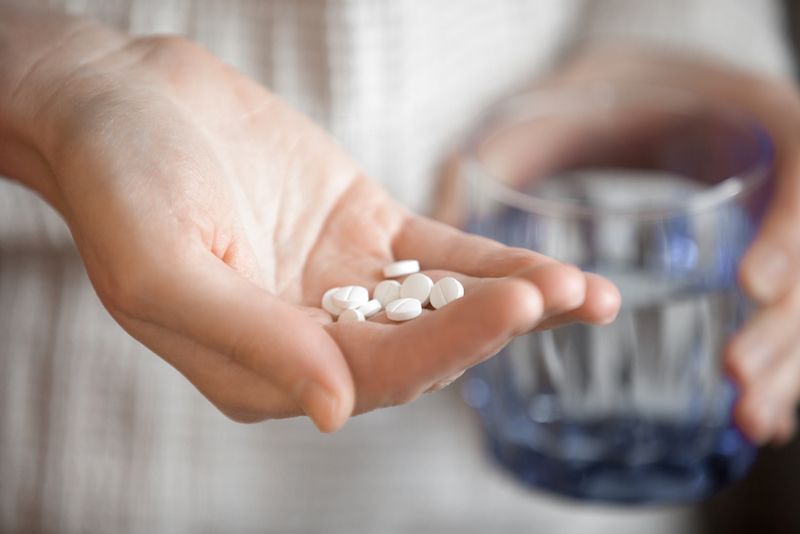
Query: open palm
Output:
(212,217)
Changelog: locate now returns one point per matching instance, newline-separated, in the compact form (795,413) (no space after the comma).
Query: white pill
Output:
(350,315)
(370,308)
(401,268)
(403,309)
(349,297)
(387,291)
(327,302)
(417,286)
(446,291)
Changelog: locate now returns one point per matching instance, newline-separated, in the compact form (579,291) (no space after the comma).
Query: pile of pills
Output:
(401,301)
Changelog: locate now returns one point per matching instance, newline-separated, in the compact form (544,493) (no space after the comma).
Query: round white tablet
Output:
(446,291)
(401,268)
(370,308)
(350,315)
(403,309)
(348,297)
(327,302)
(387,291)
(417,286)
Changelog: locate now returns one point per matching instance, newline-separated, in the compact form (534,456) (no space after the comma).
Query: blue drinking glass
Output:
(661,192)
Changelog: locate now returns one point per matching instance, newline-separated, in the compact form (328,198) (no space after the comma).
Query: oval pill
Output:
(387,291)
(370,308)
(417,286)
(403,309)
(446,291)
(401,268)
(349,297)
(327,302)
(350,315)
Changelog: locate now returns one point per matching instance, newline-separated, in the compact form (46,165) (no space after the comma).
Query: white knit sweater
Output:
(99,435)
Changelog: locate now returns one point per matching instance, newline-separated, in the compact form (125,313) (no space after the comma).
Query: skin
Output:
(211,217)
(764,356)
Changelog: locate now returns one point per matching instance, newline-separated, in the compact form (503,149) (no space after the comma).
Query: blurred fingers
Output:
(772,264)
(767,406)
(765,337)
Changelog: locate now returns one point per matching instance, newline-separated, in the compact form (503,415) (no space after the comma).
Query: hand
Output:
(211,217)
(764,357)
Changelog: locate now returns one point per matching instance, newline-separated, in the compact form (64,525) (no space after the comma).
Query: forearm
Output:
(41,53)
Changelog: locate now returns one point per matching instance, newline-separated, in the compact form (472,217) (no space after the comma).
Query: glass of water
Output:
(662,193)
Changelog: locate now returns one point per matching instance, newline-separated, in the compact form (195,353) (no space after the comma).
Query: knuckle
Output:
(737,368)
(520,259)
(573,284)
(519,300)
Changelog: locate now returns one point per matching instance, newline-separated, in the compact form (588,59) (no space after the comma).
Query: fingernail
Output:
(768,271)
(320,405)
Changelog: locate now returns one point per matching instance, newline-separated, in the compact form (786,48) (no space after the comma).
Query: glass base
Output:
(670,480)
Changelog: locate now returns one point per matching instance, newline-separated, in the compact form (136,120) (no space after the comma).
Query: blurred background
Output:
(99,435)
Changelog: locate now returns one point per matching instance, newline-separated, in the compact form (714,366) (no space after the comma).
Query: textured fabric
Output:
(398,82)
(99,435)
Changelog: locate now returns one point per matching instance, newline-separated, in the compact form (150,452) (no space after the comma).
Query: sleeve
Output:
(750,34)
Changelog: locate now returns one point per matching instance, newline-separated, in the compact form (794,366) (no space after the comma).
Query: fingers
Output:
(439,246)
(568,294)
(206,301)
(393,364)
(764,338)
(563,287)
(601,305)
(766,410)
(764,358)
(772,264)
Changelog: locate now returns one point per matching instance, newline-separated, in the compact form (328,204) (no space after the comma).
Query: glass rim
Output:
(522,108)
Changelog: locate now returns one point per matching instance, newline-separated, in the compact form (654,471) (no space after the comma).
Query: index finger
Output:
(440,246)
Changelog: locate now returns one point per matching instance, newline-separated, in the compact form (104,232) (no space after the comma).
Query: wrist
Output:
(41,53)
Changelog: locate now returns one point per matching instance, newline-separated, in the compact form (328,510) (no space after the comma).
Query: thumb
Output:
(211,303)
